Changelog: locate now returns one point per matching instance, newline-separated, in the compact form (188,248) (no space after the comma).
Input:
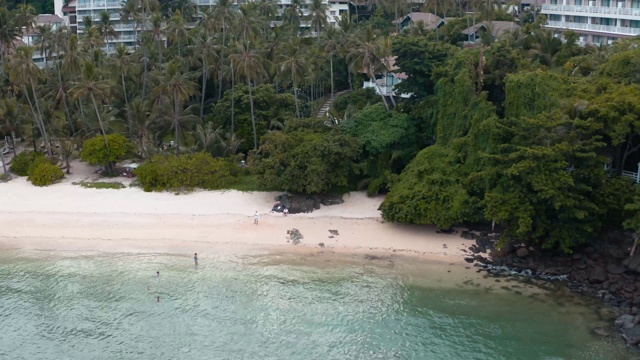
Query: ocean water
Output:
(67,305)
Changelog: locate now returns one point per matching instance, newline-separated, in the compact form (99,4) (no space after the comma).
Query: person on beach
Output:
(256,218)
(286,212)
(195,258)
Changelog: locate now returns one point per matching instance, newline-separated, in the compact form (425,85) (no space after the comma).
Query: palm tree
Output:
(176,31)
(131,11)
(92,86)
(367,55)
(24,73)
(12,114)
(205,54)
(330,44)
(25,17)
(8,34)
(248,63)
(124,64)
(225,16)
(293,13)
(105,27)
(176,86)
(44,41)
(293,65)
(318,15)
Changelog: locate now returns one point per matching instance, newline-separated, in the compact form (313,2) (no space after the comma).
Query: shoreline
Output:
(68,217)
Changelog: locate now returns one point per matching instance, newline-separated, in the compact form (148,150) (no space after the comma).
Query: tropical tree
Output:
(249,64)
(367,55)
(27,76)
(318,15)
(293,65)
(175,87)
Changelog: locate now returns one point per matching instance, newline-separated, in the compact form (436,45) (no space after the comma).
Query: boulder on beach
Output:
(522,252)
(295,236)
(602,331)
(597,275)
(626,321)
(633,263)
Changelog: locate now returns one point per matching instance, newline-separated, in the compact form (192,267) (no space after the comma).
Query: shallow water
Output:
(98,306)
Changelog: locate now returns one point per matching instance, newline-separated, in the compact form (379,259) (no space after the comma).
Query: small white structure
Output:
(385,83)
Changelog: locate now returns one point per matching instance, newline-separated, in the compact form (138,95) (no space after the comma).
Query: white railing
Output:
(619,30)
(632,175)
(100,4)
(586,10)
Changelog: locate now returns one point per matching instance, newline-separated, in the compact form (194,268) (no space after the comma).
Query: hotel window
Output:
(578,2)
(555,17)
(607,21)
(635,4)
(634,24)
(332,13)
(606,3)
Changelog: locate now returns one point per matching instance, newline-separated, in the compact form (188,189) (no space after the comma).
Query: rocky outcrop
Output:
(297,204)
(633,263)
(294,236)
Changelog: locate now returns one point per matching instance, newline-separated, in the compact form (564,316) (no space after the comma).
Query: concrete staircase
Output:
(327,104)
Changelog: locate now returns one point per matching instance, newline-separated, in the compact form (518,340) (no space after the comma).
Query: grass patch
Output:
(247,183)
(101,185)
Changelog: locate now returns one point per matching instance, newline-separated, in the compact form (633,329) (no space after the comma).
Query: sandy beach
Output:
(65,216)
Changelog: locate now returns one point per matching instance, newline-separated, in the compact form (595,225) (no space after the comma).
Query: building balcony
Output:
(98,4)
(596,11)
(604,29)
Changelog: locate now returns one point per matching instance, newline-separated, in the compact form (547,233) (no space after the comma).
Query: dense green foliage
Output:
(307,157)
(96,151)
(185,173)
(24,160)
(526,130)
(45,173)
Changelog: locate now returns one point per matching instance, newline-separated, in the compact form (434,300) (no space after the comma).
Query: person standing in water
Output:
(195,258)
(256,217)
(158,273)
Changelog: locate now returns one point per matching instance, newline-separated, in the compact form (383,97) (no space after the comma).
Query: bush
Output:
(44,173)
(185,172)
(23,161)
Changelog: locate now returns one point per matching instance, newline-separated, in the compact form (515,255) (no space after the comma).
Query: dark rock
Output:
(597,275)
(297,203)
(328,200)
(633,263)
(614,287)
(503,251)
(615,269)
(482,249)
(474,249)
(334,232)
(629,287)
(634,310)
(589,250)
(522,252)
(295,236)
(616,253)
(468,259)
(576,256)
(321,245)
(602,331)
(331,236)
(468,235)
(631,335)
(581,266)
(626,321)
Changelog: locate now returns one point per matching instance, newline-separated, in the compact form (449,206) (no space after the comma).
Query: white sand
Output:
(68,217)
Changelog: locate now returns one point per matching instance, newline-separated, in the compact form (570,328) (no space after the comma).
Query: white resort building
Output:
(595,21)
(126,32)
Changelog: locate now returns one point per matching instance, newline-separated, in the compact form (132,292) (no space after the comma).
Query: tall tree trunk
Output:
(349,77)
(224,39)
(233,100)
(13,142)
(204,85)
(384,98)
(126,103)
(176,122)
(40,119)
(295,94)
(331,61)
(253,119)
(64,102)
(104,133)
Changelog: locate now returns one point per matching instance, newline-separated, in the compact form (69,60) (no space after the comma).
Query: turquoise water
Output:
(99,306)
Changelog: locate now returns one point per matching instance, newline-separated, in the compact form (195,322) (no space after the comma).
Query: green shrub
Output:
(44,173)
(23,161)
(185,172)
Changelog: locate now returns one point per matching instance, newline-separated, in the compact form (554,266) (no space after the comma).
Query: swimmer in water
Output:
(158,298)
(158,273)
